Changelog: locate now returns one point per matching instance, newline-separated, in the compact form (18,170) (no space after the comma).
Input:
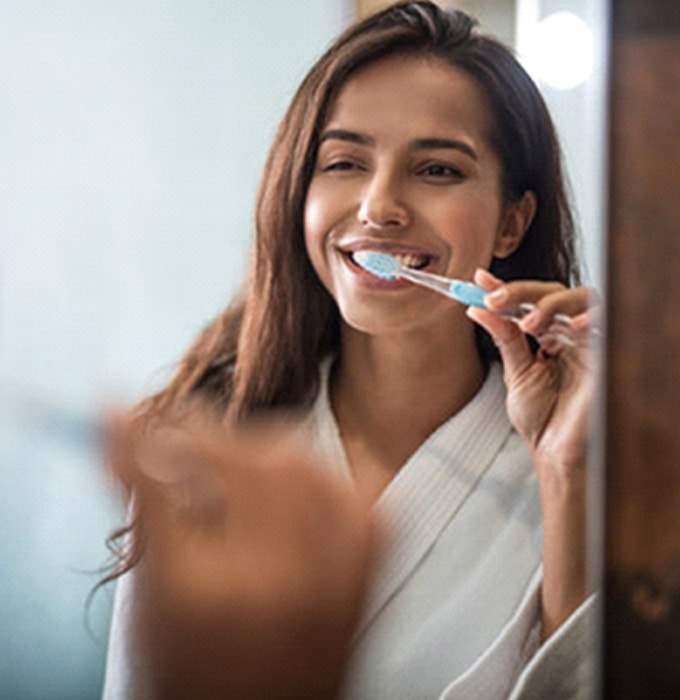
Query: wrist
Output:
(562,490)
(559,473)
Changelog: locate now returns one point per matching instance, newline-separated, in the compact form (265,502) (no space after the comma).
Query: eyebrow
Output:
(454,144)
(420,144)
(344,135)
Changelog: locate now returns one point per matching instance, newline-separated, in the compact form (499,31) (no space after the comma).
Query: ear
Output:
(515,222)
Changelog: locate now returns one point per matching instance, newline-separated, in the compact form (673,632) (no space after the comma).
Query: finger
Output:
(553,305)
(511,342)
(568,335)
(486,279)
(556,307)
(172,456)
(182,528)
(232,483)
(510,295)
(588,322)
(156,530)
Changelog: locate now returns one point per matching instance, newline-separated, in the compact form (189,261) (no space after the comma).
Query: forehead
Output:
(415,97)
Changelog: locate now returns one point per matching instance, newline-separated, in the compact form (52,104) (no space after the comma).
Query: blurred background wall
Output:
(132,134)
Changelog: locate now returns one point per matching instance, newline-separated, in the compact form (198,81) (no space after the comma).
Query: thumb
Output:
(511,342)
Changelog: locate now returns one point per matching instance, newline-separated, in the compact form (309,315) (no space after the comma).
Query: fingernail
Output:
(550,345)
(486,274)
(481,275)
(530,321)
(500,294)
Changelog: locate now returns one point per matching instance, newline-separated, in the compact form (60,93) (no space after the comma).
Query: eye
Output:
(440,170)
(340,165)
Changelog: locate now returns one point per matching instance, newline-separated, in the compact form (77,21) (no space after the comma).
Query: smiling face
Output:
(405,167)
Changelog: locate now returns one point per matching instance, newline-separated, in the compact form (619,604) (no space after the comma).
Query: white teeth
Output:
(411,259)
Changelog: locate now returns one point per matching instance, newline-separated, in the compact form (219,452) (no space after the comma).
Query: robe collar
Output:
(430,488)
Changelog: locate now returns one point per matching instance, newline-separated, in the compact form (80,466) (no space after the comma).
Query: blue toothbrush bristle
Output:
(379,264)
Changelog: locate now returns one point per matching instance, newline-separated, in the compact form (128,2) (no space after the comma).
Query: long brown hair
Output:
(264,350)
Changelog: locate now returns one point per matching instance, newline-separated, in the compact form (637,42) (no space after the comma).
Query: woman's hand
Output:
(254,565)
(550,396)
(550,392)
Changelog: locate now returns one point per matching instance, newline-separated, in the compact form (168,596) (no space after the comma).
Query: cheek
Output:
(318,215)
(315,228)
(313,211)
(469,225)
(329,204)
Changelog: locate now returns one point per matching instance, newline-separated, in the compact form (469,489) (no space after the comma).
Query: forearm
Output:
(565,585)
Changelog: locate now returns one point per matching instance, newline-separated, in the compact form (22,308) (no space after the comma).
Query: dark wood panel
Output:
(642,540)
(648,17)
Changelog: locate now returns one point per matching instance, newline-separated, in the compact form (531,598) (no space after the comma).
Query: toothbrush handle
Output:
(436,283)
(560,329)
(471,294)
(518,313)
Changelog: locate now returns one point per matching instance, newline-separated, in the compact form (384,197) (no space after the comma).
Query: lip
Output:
(368,279)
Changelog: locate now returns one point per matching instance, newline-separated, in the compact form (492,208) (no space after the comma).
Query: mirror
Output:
(132,139)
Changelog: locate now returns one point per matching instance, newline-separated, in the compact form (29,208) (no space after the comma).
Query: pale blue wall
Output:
(132,133)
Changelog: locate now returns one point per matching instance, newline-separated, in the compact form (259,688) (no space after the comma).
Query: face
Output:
(405,167)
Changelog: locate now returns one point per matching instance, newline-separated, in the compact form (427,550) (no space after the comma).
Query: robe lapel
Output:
(429,489)
(432,486)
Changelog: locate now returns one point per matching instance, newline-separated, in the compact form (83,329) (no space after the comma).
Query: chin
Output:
(382,321)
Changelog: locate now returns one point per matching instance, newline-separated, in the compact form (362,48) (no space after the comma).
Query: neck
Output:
(390,392)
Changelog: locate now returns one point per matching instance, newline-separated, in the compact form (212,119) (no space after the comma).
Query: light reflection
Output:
(560,51)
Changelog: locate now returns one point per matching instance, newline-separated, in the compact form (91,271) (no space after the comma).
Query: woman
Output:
(416,136)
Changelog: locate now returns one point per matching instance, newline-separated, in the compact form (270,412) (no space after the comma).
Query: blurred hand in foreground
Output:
(255,563)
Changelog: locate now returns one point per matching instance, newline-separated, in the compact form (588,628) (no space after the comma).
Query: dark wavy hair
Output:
(264,350)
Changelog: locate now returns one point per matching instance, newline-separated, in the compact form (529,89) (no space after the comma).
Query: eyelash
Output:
(450,171)
(341,165)
(442,171)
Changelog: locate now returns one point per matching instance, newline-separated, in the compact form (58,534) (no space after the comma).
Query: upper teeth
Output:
(410,259)
(413,260)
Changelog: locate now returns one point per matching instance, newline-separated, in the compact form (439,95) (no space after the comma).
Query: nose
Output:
(382,205)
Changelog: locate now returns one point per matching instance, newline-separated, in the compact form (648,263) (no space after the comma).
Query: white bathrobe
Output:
(454,612)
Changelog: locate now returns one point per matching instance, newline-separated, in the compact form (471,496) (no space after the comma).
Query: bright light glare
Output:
(560,51)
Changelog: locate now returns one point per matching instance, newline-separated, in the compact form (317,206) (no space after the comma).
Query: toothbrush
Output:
(21,407)
(388,267)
